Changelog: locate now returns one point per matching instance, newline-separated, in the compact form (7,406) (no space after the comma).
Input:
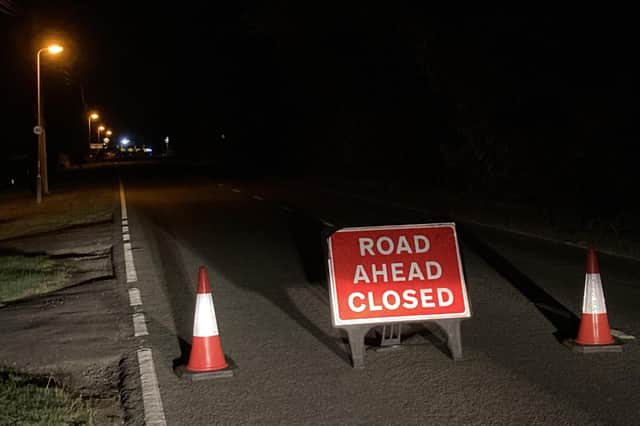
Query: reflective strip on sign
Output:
(205,323)
(593,300)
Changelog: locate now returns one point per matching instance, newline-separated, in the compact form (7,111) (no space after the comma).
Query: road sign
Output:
(37,130)
(395,274)
(96,146)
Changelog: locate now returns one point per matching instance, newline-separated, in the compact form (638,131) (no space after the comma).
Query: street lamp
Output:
(42,175)
(100,129)
(92,117)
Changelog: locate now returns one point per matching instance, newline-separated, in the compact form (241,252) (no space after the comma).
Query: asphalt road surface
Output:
(262,245)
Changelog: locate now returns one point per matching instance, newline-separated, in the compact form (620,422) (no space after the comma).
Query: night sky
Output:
(520,103)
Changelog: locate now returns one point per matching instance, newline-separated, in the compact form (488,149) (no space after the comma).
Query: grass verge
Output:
(26,399)
(23,276)
(21,216)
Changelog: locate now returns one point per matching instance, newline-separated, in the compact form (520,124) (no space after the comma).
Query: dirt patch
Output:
(81,332)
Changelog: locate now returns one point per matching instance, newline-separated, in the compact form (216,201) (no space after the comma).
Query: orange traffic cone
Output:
(594,323)
(206,359)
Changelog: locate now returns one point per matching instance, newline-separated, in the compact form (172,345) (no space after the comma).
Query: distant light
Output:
(124,141)
(148,150)
(222,136)
(166,140)
(94,116)
(55,49)
(101,128)
(106,140)
(109,132)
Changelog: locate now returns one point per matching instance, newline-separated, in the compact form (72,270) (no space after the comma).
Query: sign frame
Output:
(339,322)
(357,328)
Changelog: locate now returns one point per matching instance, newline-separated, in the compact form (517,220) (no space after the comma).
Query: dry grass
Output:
(20,215)
(34,400)
(23,276)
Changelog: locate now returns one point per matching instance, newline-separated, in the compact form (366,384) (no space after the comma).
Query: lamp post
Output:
(92,116)
(42,182)
(100,129)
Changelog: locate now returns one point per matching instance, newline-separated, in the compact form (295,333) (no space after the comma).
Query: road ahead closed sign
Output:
(396,274)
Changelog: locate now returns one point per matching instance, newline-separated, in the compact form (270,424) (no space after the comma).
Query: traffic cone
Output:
(206,359)
(594,323)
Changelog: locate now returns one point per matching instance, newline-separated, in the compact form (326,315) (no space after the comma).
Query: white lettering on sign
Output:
(398,273)
(408,299)
(380,273)
(386,245)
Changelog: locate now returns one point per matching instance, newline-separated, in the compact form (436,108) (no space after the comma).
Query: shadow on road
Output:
(239,254)
(565,321)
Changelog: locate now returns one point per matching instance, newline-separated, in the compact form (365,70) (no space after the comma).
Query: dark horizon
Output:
(502,103)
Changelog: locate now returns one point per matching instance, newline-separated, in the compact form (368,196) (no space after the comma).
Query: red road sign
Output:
(396,274)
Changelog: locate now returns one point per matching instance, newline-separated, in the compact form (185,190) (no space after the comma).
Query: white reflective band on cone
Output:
(205,323)
(593,300)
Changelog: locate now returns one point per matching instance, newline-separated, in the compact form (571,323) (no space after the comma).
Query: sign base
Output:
(390,339)
(357,333)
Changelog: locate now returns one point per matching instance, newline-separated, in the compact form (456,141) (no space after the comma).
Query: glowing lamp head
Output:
(94,116)
(109,132)
(124,141)
(101,128)
(54,49)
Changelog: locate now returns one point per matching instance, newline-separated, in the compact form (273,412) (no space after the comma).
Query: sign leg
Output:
(356,344)
(451,327)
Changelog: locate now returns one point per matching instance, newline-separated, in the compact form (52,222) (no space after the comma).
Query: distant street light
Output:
(100,129)
(108,138)
(42,182)
(93,116)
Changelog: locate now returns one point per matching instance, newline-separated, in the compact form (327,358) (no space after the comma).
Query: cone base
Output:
(195,376)
(594,330)
(592,349)
(206,355)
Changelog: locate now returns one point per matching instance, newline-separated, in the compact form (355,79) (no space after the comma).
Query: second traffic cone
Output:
(206,350)
(594,322)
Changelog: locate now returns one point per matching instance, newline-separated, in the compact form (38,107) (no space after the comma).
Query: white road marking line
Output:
(235,190)
(134,297)
(286,209)
(139,325)
(125,237)
(130,268)
(123,203)
(326,223)
(153,409)
(152,402)
(257,197)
